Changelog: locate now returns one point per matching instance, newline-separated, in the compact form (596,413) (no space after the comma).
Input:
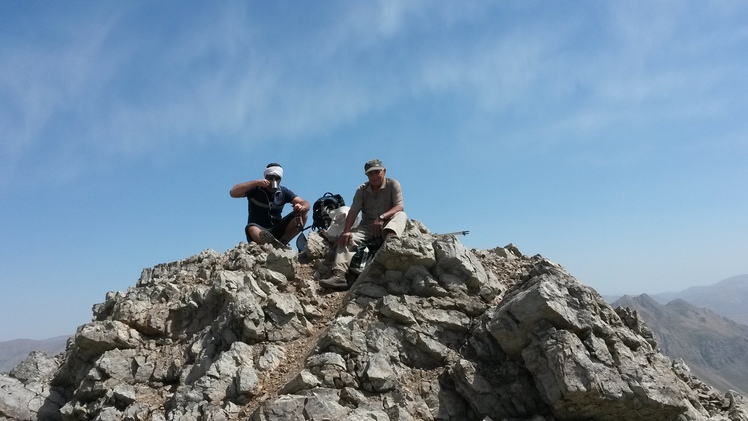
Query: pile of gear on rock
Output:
(379,201)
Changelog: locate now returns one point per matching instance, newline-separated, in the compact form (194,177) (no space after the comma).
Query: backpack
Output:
(321,218)
(321,210)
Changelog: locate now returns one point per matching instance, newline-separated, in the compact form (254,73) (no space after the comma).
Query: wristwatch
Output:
(382,217)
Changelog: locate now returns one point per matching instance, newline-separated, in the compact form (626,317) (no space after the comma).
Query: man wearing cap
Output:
(380,201)
(266,199)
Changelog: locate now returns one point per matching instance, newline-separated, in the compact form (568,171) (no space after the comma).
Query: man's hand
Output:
(298,208)
(345,238)
(376,227)
(264,183)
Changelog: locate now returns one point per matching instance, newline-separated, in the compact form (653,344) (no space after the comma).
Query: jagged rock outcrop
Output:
(25,393)
(430,331)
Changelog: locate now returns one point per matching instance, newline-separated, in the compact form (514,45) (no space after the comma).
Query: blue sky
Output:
(605,136)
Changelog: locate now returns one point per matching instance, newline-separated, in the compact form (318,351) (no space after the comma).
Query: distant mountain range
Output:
(714,347)
(727,298)
(15,351)
(707,326)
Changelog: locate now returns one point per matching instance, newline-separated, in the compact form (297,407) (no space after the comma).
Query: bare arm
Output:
(350,219)
(397,200)
(345,237)
(241,189)
(395,209)
(300,205)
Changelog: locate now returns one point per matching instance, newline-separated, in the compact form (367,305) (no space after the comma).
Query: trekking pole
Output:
(456,233)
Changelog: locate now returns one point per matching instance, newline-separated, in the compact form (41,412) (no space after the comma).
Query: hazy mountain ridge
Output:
(727,297)
(713,346)
(14,351)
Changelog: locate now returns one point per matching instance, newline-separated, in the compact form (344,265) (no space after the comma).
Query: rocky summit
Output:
(430,331)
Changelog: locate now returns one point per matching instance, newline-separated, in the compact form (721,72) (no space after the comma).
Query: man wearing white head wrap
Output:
(275,170)
(266,199)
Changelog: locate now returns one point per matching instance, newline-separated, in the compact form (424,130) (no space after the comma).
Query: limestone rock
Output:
(26,393)
(430,330)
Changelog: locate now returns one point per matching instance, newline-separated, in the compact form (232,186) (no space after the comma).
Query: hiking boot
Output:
(336,282)
(268,238)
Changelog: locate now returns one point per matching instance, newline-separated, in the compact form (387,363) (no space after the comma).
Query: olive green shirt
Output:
(372,205)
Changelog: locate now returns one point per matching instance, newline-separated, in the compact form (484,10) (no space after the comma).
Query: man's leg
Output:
(260,235)
(253,234)
(294,227)
(396,225)
(278,230)
(343,256)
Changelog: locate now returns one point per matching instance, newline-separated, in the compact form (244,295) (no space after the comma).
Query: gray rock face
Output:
(25,393)
(429,331)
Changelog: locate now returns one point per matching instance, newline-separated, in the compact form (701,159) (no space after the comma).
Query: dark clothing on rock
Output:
(265,209)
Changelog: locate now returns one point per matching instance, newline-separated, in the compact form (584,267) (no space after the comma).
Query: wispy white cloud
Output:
(45,86)
(637,75)
(109,90)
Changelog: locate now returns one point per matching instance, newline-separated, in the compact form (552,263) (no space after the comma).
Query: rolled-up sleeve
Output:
(358,199)
(397,193)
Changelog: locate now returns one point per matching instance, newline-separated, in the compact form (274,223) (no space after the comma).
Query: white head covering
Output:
(277,171)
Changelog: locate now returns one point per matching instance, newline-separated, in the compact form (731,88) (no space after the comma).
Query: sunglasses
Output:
(272,177)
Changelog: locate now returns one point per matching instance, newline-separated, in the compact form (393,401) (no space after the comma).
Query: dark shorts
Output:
(277,230)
